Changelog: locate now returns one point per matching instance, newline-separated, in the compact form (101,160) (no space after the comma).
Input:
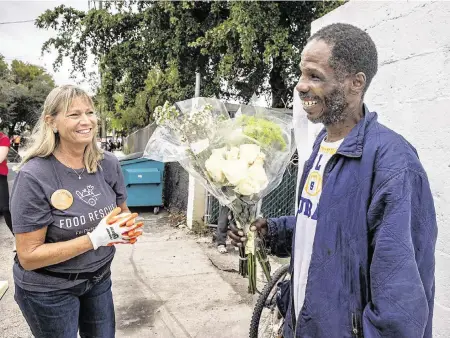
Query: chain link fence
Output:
(212,211)
(280,202)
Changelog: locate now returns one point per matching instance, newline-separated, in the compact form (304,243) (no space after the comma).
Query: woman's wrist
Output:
(88,241)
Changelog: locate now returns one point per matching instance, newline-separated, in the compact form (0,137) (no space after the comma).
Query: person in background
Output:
(111,147)
(65,206)
(16,142)
(225,217)
(4,189)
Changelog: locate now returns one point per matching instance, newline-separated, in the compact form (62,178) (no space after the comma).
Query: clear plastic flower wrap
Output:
(238,160)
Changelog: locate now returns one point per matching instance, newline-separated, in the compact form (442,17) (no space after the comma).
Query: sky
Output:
(23,41)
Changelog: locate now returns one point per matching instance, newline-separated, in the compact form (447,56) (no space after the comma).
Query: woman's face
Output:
(78,125)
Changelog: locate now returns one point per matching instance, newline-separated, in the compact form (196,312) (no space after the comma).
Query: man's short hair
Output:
(353,50)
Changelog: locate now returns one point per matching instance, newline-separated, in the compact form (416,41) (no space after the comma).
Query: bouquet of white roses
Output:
(238,160)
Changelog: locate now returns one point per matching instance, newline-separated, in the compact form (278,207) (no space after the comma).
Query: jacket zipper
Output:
(355,322)
(302,183)
(306,168)
(355,329)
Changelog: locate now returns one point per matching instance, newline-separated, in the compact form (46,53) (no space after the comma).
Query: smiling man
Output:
(363,241)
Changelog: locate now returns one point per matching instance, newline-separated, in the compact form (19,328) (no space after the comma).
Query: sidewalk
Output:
(163,286)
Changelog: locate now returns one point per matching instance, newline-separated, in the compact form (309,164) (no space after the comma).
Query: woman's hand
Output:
(115,228)
(131,235)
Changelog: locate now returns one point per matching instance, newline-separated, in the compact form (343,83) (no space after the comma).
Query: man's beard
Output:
(335,105)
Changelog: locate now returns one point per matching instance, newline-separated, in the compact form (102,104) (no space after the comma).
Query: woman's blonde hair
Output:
(44,141)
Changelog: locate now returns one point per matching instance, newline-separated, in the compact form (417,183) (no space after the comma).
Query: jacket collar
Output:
(354,142)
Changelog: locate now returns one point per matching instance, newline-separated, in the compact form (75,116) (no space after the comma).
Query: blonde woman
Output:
(64,213)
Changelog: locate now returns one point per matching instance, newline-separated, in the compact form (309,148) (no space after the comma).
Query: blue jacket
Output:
(372,266)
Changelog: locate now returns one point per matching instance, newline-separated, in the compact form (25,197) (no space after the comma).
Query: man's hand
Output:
(238,237)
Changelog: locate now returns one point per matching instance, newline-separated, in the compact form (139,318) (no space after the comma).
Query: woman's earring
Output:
(55,130)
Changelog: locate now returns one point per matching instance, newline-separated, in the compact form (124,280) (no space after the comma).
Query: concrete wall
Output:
(411,94)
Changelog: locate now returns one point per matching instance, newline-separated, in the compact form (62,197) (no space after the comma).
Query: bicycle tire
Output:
(259,306)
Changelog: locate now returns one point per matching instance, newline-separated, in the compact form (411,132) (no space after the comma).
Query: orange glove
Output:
(111,229)
(131,235)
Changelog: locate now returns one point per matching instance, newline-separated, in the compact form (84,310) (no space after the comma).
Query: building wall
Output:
(411,94)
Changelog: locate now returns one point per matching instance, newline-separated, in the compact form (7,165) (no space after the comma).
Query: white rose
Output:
(219,152)
(234,170)
(232,154)
(247,187)
(257,174)
(214,167)
(249,152)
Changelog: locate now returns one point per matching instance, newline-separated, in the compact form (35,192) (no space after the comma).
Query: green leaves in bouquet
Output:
(266,132)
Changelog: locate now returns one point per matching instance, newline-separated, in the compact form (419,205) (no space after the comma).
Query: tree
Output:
(3,67)
(23,89)
(261,42)
(29,74)
(240,48)
(160,86)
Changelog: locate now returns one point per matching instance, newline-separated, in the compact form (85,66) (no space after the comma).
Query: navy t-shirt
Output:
(94,196)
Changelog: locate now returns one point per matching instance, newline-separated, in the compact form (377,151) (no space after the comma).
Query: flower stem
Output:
(263,260)
(251,273)
(243,264)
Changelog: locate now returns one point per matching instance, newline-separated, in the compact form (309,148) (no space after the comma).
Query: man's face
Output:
(323,95)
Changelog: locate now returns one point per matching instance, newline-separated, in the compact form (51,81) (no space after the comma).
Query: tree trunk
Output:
(278,86)
(148,111)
